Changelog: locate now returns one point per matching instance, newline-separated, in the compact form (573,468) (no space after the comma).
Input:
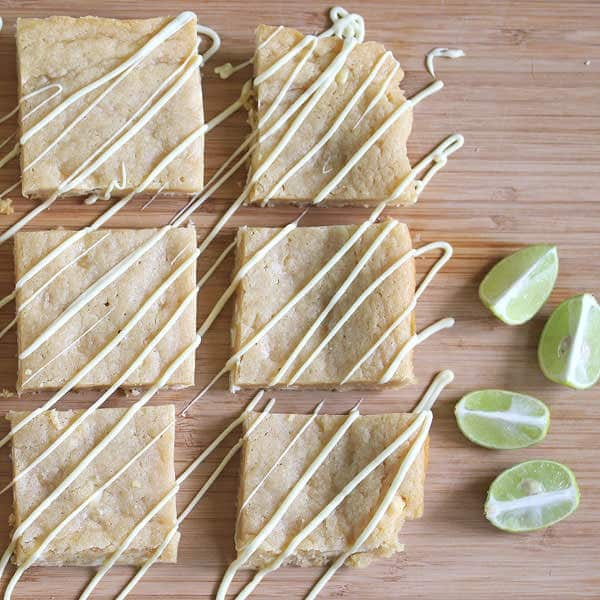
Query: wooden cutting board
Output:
(526,98)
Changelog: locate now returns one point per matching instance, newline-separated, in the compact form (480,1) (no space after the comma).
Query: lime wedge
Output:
(517,287)
(531,495)
(502,420)
(569,347)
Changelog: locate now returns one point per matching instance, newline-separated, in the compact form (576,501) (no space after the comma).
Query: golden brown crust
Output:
(74,52)
(365,439)
(378,172)
(94,534)
(117,304)
(285,270)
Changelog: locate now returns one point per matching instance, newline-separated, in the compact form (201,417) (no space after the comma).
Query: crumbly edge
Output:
(235,330)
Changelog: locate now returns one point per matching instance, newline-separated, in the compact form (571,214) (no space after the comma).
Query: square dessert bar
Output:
(285,270)
(98,322)
(74,52)
(93,535)
(378,172)
(367,437)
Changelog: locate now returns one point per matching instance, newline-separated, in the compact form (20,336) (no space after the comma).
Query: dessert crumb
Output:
(6,206)
(6,393)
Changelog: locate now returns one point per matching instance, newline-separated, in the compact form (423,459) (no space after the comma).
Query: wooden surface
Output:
(526,100)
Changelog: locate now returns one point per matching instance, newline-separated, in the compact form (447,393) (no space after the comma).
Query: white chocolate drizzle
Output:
(364,259)
(116,272)
(154,42)
(291,546)
(85,297)
(379,95)
(27,301)
(440,381)
(154,197)
(68,346)
(215,41)
(58,90)
(429,165)
(353,308)
(413,342)
(446,255)
(114,184)
(445,52)
(96,450)
(133,320)
(329,133)
(348,27)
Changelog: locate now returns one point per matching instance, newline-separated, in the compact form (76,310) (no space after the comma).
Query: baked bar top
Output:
(366,438)
(99,321)
(378,172)
(95,533)
(285,270)
(73,53)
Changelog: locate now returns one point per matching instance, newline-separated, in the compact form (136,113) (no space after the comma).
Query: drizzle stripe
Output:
(242,271)
(441,380)
(429,398)
(199,495)
(122,423)
(292,443)
(60,271)
(412,342)
(329,133)
(68,346)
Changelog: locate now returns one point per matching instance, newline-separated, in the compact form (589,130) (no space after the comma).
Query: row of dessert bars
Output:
(315,307)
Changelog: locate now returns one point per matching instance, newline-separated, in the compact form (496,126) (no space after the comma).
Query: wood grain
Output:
(526,100)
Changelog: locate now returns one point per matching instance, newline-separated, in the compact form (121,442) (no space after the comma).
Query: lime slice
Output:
(569,348)
(517,287)
(532,495)
(502,420)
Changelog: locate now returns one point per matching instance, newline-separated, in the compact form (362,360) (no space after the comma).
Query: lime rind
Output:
(569,347)
(517,287)
(532,495)
(502,420)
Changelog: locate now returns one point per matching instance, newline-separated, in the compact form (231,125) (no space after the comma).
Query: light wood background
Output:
(526,98)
